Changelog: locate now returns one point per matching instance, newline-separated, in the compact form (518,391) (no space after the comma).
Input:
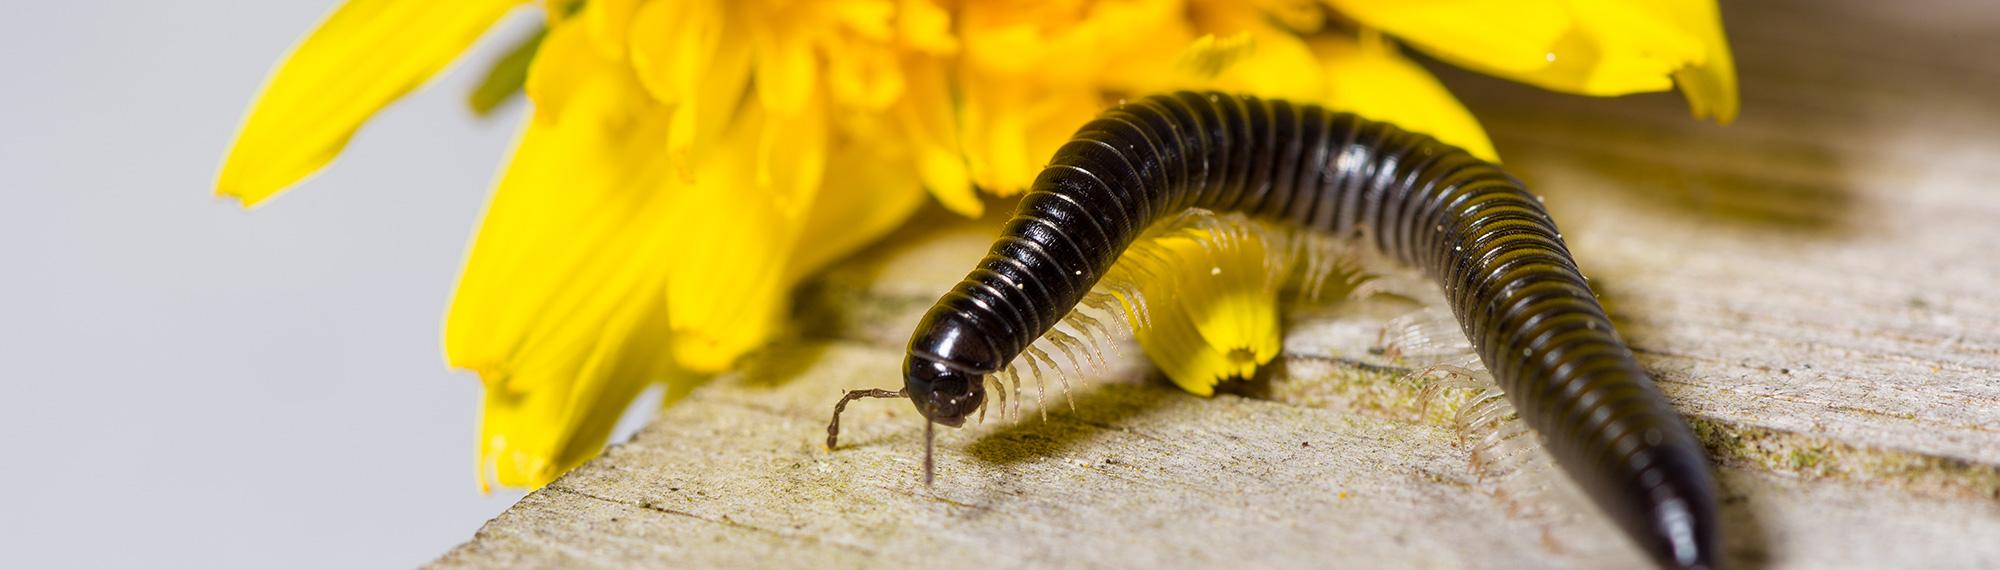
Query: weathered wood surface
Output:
(1814,287)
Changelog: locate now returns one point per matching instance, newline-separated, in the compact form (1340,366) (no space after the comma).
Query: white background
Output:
(186,384)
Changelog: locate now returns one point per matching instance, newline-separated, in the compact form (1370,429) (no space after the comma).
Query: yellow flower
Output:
(651,227)
(688,162)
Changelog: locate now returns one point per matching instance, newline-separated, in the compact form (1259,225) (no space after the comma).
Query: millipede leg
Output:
(833,427)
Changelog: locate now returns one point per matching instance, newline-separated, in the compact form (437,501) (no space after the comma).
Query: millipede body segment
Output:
(1486,240)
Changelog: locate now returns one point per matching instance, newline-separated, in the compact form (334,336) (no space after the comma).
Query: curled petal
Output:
(1210,297)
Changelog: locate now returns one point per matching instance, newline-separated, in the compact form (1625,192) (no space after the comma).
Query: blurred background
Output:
(183,383)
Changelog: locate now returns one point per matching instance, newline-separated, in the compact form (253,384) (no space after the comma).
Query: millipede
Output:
(1475,230)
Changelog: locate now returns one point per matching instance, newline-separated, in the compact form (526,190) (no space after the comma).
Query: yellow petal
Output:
(791,157)
(1710,86)
(994,135)
(1029,74)
(1614,48)
(1009,131)
(1279,66)
(609,21)
(925,26)
(1367,77)
(872,21)
(928,115)
(729,292)
(680,39)
(1590,47)
(786,70)
(568,213)
(559,307)
(763,212)
(569,62)
(1209,55)
(1496,36)
(530,437)
(683,61)
(365,55)
(1247,51)
(1626,47)
(1303,16)
(866,78)
(1202,299)
(872,193)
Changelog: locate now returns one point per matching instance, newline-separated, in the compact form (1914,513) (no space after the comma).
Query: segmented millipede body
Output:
(1486,240)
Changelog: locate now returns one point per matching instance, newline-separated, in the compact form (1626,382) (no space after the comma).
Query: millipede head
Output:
(942,393)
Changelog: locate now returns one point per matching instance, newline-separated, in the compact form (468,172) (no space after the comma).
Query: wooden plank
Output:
(1138,475)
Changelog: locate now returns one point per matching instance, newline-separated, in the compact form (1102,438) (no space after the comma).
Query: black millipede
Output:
(1476,230)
